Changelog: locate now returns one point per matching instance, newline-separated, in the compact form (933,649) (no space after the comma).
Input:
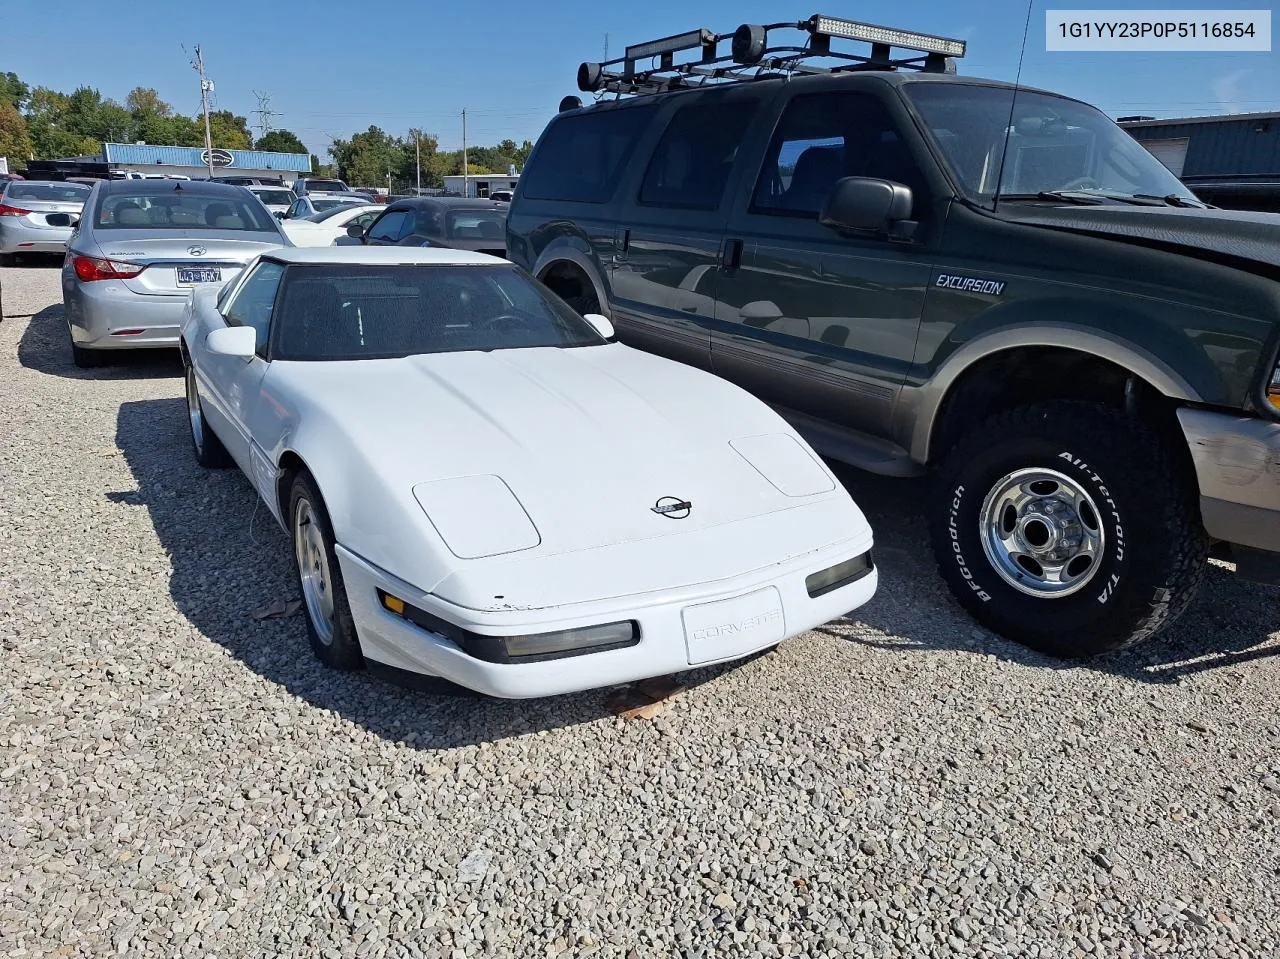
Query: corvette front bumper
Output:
(695,625)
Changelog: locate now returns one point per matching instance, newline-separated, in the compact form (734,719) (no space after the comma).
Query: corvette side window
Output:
(254,301)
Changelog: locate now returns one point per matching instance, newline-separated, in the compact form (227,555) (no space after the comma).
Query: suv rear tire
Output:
(1067,527)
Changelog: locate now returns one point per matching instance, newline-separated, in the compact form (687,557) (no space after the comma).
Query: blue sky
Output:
(333,68)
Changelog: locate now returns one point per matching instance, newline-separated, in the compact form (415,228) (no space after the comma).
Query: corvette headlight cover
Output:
(784,463)
(477,516)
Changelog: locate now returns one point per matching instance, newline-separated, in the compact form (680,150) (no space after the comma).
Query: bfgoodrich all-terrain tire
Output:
(1068,527)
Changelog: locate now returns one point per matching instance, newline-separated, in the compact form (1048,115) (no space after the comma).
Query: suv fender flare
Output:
(571,252)
(922,405)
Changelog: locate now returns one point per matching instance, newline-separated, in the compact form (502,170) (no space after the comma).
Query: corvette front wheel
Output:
(330,625)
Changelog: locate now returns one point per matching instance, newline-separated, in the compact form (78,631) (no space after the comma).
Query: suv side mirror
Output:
(865,205)
(355,231)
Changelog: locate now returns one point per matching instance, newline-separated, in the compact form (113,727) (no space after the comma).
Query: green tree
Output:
(146,101)
(13,91)
(367,157)
(15,142)
(281,141)
(229,132)
(54,126)
(428,145)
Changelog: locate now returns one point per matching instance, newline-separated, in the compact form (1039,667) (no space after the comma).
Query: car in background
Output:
(239,180)
(1259,192)
(324,229)
(307,206)
(457,222)
(480,484)
(142,246)
(312,184)
(36,216)
(277,199)
(373,193)
(502,196)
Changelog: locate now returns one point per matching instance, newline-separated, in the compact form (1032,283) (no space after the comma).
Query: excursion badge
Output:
(969,284)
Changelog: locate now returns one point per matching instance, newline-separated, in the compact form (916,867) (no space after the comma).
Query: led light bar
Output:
(870,33)
(692,40)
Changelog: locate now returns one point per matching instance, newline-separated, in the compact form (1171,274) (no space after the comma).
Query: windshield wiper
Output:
(1084,199)
(1173,199)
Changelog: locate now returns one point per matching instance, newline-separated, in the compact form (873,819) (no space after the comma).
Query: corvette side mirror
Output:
(241,341)
(601,325)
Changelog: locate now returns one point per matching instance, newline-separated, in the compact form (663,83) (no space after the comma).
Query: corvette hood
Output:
(1234,233)
(588,441)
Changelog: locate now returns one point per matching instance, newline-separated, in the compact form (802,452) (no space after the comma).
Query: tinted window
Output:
(276,197)
(364,219)
(1052,144)
(691,164)
(47,192)
(183,210)
(828,136)
(579,157)
(254,300)
(331,312)
(325,186)
(389,226)
(476,225)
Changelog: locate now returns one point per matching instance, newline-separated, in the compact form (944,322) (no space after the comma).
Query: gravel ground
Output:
(181,779)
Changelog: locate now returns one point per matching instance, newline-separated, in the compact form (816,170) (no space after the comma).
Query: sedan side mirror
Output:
(241,341)
(601,325)
(865,205)
(355,231)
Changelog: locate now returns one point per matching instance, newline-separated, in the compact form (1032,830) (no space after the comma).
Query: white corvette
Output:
(481,484)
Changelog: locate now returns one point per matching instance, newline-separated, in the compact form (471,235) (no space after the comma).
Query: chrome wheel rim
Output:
(193,410)
(313,569)
(1042,533)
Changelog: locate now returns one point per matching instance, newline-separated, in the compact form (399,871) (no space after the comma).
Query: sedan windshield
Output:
(356,312)
(46,192)
(182,210)
(1055,145)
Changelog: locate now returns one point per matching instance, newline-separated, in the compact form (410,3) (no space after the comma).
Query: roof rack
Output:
(752,58)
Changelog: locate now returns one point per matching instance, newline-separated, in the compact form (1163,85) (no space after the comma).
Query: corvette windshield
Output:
(358,312)
(1054,145)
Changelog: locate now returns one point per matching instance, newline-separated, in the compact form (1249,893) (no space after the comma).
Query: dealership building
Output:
(192,162)
(146,159)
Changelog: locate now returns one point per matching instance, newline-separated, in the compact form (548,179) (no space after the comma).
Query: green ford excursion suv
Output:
(930,273)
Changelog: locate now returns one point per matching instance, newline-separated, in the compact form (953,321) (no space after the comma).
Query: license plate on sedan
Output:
(191,275)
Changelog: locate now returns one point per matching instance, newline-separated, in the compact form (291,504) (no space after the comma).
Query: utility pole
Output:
(206,87)
(417,157)
(466,180)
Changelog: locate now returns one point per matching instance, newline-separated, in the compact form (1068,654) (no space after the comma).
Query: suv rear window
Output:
(692,162)
(325,186)
(579,157)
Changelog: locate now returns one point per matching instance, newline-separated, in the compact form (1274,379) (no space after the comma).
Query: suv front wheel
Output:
(1067,527)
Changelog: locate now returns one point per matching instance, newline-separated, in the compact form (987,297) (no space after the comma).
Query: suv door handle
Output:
(731,254)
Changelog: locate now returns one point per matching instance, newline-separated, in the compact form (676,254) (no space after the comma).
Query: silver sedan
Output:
(36,216)
(139,250)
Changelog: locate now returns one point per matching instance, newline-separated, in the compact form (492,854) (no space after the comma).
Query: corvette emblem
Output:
(672,508)
(196,250)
